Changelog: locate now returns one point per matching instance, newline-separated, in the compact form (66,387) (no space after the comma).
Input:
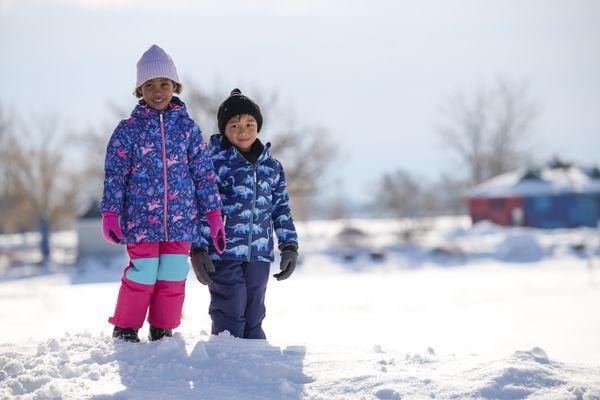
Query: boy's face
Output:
(241,131)
(158,92)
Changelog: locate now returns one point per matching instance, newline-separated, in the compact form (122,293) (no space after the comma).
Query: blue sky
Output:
(374,74)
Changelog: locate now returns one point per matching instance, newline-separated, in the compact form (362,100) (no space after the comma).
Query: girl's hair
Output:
(178,89)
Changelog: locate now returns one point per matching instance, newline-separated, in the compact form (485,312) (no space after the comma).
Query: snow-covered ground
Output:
(452,312)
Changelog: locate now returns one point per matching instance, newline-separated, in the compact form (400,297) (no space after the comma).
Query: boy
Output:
(255,202)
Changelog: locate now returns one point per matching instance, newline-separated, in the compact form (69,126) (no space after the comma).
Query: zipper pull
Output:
(161,117)
(254,175)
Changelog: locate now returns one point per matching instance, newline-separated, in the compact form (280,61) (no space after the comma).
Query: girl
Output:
(158,177)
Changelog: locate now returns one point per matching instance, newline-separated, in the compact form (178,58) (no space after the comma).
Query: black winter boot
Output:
(157,333)
(126,334)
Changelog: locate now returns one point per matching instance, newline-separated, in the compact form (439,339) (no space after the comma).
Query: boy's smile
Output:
(158,92)
(241,131)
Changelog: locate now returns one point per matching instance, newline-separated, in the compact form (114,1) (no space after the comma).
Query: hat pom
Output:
(237,104)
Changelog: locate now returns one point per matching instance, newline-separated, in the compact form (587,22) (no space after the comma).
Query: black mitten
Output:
(289,255)
(202,265)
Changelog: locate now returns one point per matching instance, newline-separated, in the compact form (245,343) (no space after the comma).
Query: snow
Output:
(455,312)
(100,367)
(520,247)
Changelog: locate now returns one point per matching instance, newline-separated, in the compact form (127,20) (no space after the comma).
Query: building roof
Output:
(93,212)
(552,179)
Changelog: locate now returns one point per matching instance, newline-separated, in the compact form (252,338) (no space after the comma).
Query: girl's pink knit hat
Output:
(155,63)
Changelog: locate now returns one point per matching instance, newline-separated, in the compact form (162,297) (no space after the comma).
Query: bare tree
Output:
(10,196)
(448,192)
(91,147)
(90,144)
(4,123)
(48,184)
(203,106)
(37,188)
(16,210)
(488,130)
(401,195)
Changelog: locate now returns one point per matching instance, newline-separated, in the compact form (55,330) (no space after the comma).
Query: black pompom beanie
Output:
(237,104)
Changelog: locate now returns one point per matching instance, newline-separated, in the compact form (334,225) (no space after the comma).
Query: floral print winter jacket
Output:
(158,176)
(255,203)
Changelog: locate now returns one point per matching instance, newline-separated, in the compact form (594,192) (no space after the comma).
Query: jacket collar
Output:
(176,109)
(219,143)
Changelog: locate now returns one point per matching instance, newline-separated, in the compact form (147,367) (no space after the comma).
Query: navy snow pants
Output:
(237,298)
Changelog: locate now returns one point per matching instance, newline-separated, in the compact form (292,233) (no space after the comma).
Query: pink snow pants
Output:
(154,279)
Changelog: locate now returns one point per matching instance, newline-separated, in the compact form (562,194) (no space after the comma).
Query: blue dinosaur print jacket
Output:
(255,203)
(158,176)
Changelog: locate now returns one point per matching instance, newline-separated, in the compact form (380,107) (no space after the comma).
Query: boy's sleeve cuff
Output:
(196,250)
(289,246)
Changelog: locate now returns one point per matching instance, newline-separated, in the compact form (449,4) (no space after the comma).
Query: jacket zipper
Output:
(253,203)
(252,211)
(166,187)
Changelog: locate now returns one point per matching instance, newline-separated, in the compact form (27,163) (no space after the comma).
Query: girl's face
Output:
(158,92)
(241,131)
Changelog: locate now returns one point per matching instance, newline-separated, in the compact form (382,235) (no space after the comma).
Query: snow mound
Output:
(83,366)
(424,358)
(536,354)
(486,228)
(520,247)
(531,374)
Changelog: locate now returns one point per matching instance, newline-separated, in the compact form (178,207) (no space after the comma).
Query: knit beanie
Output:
(237,104)
(155,63)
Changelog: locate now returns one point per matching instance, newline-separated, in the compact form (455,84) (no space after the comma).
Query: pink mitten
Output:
(217,230)
(110,228)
